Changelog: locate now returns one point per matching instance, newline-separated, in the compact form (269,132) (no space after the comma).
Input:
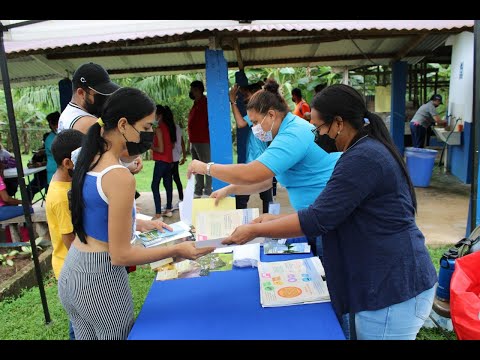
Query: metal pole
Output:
(21,180)
(475,131)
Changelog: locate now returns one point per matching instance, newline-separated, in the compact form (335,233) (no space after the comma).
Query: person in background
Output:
(58,213)
(255,147)
(301,107)
(8,161)
(52,119)
(93,284)
(301,166)
(425,117)
(379,273)
(8,205)
(179,156)
(199,136)
(162,154)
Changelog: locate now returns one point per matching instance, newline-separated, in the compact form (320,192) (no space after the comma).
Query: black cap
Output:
(437,97)
(95,77)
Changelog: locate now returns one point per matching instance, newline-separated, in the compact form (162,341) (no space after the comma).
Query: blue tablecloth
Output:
(226,305)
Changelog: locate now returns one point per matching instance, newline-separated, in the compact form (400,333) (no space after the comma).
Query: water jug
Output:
(445,275)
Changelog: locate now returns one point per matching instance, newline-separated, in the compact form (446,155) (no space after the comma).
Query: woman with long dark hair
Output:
(379,273)
(93,284)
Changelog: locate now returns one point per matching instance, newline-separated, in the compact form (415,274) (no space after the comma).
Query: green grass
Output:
(22,318)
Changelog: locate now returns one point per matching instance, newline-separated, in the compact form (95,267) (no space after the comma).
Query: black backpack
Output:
(463,247)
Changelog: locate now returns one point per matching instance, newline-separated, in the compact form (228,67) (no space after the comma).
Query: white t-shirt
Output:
(70,115)
(177,149)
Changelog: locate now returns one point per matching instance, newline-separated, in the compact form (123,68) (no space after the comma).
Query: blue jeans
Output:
(400,321)
(11,211)
(70,331)
(418,135)
(161,170)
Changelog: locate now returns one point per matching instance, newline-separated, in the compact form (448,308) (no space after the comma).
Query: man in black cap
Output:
(91,85)
(425,117)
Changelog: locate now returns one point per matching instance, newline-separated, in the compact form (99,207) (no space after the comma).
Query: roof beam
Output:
(232,64)
(54,55)
(412,44)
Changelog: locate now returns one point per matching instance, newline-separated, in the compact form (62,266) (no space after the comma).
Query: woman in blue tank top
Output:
(93,284)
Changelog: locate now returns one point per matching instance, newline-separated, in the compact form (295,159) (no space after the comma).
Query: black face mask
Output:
(96,107)
(190,95)
(326,143)
(145,144)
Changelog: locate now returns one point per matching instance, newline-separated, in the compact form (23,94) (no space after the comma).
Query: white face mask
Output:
(261,134)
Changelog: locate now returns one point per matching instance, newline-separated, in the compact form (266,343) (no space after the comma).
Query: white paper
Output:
(246,255)
(217,243)
(185,207)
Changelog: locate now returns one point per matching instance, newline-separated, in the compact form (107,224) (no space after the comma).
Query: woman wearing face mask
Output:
(93,284)
(301,166)
(379,273)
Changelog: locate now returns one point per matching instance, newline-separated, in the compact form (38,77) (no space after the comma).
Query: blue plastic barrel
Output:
(447,266)
(420,164)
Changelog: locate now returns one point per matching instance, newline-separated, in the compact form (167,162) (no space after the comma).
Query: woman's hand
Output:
(136,166)
(147,225)
(219,194)
(241,235)
(233,93)
(196,167)
(187,250)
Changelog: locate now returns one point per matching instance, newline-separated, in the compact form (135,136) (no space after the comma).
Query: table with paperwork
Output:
(226,305)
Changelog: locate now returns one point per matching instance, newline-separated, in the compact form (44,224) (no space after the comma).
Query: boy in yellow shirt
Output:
(59,218)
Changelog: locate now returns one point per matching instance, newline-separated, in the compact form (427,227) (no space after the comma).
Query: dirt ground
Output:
(442,208)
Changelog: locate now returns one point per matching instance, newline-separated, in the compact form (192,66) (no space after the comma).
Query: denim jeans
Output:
(162,170)
(400,321)
(70,331)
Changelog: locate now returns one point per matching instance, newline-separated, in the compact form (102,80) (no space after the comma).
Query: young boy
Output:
(59,218)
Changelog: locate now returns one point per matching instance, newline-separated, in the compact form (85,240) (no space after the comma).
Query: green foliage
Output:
(7,259)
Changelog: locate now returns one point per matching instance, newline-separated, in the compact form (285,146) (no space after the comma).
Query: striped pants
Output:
(96,295)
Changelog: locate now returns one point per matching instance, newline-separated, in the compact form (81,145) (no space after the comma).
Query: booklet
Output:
(156,237)
(275,248)
(212,227)
(292,282)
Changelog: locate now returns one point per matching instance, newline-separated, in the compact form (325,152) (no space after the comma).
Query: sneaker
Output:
(195,196)
(157,218)
(176,206)
(168,213)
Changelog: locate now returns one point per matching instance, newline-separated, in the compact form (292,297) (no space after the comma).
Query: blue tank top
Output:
(95,211)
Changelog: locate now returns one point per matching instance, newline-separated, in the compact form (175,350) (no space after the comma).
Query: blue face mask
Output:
(261,134)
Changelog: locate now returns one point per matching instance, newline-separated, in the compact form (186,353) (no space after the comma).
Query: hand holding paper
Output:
(241,235)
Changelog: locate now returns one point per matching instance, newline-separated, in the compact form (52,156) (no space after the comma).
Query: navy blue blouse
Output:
(374,253)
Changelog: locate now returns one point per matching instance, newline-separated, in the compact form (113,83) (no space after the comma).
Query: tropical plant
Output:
(7,259)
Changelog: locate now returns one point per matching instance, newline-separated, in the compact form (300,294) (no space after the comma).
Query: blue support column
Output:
(397,116)
(218,110)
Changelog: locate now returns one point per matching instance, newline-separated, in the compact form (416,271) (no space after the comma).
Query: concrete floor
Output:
(441,216)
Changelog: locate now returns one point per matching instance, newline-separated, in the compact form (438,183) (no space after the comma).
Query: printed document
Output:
(292,282)
(215,226)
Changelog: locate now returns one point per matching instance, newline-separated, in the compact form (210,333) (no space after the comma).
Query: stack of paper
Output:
(293,282)
(276,248)
(213,227)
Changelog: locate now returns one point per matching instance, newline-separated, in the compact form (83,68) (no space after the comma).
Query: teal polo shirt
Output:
(300,165)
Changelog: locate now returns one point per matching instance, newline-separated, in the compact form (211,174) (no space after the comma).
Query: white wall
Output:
(460,99)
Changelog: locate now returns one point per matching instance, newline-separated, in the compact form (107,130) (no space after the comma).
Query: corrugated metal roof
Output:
(60,33)
(48,51)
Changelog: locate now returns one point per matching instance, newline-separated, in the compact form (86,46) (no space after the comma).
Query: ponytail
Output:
(168,119)
(93,143)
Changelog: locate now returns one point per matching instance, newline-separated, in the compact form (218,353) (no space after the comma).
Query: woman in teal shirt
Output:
(299,164)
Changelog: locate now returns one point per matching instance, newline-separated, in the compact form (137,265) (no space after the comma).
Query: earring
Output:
(338,133)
